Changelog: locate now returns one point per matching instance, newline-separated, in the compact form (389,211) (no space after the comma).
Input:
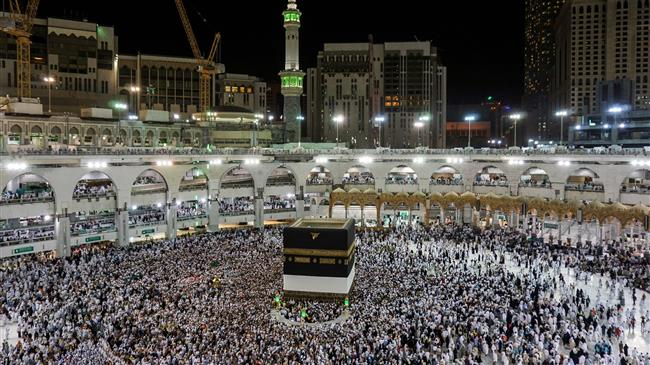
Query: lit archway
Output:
(358,175)
(491,175)
(281,176)
(446,175)
(94,184)
(584,179)
(319,175)
(638,182)
(402,175)
(27,187)
(237,177)
(149,182)
(194,179)
(536,178)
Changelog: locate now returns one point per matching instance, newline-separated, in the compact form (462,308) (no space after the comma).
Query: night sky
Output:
(481,42)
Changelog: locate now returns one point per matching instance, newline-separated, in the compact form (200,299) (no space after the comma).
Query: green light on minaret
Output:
(291,16)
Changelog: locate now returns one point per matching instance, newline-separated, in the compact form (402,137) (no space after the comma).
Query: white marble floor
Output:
(9,332)
(604,291)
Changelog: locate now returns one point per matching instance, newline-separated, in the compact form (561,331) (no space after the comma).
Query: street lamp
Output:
(561,114)
(338,119)
(419,126)
(515,118)
(49,80)
(300,118)
(615,111)
(469,119)
(379,120)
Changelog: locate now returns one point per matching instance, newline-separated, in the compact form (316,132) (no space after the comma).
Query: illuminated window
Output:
(227,89)
(249,90)
(242,89)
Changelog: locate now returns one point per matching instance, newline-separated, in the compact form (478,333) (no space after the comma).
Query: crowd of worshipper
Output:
(319,180)
(491,181)
(83,189)
(402,179)
(143,218)
(93,225)
(278,203)
(435,295)
(587,186)
(310,311)
(640,189)
(237,205)
(191,211)
(616,260)
(146,180)
(25,235)
(545,183)
(358,179)
(442,180)
(19,194)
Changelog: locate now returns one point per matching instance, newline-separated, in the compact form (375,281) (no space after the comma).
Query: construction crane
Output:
(206,66)
(19,25)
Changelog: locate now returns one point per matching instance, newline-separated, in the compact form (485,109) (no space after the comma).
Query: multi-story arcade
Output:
(53,201)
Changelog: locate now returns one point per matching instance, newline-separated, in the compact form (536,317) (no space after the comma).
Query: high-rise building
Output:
(77,57)
(393,94)
(159,83)
(292,76)
(602,56)
(539,57)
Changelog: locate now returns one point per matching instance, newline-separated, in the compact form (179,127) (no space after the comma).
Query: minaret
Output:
(292,75)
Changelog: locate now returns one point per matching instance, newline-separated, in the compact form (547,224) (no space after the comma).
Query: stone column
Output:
(122,224)
(171,220)
(259,208)
(467,214)
(62,230)
(213,214)
(314,208)
(213,206)
(300,203)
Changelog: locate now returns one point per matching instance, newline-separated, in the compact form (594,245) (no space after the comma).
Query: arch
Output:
(94,184)
(28,186)
(162,134)
(490,175)
(136,133)
(149,181)
(281,176)
(584,179)
(319,175)
(236,177)
(402,175)
(16,129)
(194,179)
(358,175)
(637,182)
(535,177)
(446,175)
(55,131)
(74,131)
(107,132)
(90,132)
(36,130)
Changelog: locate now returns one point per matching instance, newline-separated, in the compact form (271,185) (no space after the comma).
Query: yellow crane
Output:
(19,25)
(206,66)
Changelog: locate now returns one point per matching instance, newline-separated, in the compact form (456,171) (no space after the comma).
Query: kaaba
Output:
(319,257)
